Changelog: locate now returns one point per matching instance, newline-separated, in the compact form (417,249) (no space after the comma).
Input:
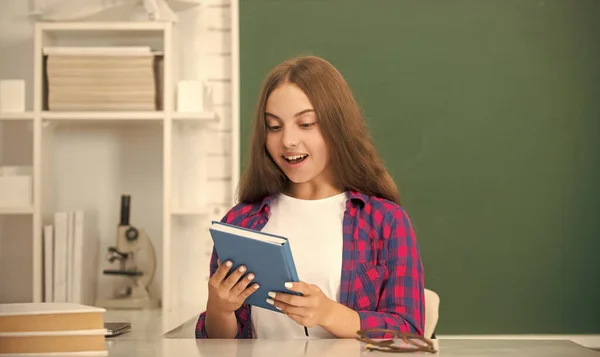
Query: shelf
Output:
(16,116)
(125,115)
(16,210)
(103,26)
(103,116)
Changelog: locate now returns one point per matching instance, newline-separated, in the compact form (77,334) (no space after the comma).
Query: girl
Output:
(315,178)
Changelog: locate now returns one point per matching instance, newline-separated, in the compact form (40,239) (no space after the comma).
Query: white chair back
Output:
(432,312)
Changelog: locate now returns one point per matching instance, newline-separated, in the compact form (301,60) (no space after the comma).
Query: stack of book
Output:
(101,79)
(52,329)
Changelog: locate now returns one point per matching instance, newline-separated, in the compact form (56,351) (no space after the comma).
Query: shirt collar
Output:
(353,196)
(358,197)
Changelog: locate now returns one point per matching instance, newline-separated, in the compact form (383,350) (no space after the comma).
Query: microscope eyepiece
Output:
(125,208)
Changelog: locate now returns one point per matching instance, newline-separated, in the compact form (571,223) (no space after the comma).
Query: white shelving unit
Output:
(87,160)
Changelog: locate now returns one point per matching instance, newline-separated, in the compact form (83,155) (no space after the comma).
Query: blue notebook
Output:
(267,256)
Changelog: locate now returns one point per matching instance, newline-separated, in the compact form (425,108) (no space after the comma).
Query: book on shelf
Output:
(97,50)
(102,78)
(71,249)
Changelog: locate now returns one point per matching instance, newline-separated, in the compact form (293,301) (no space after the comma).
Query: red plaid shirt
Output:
(382,272)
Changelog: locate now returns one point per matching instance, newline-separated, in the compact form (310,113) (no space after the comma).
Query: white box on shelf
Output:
(12,95)
(15,191)
(190,96)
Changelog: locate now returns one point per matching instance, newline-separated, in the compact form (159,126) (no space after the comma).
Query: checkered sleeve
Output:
(243,313)
(401,305)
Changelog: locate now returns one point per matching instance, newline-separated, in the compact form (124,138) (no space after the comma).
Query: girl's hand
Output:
(309,310)
(227,293)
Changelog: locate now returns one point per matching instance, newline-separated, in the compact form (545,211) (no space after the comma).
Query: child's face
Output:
(294,139)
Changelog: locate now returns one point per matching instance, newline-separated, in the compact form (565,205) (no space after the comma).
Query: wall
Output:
(486,114)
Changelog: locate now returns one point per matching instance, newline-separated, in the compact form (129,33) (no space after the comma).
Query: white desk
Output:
(336,348)
(155,323)
(147,339)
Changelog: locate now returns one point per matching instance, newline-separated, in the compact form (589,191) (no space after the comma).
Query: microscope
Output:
(131,243)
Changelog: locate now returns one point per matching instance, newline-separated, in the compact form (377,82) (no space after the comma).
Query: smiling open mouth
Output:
(295,159)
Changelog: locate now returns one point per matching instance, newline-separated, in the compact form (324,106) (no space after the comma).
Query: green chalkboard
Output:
(487,114)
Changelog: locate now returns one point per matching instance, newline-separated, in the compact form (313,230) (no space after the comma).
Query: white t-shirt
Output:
(314,229)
